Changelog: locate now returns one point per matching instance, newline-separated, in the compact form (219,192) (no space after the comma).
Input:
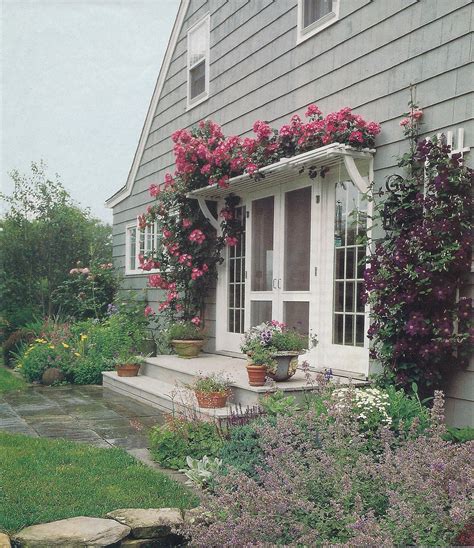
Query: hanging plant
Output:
(420,326)
(190,249)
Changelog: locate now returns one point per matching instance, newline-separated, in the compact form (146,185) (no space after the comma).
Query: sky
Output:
(77,77)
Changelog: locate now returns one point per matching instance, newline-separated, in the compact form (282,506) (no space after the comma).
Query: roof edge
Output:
(126,190)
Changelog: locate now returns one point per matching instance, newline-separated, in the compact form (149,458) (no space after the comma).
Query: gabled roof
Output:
(126,190)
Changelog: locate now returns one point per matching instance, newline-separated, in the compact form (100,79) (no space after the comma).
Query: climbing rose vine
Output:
(420,327)
(190,248)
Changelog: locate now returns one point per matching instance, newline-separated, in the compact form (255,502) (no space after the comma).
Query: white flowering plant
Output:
(370,405)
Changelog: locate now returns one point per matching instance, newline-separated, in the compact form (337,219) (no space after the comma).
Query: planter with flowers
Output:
(128,365)
(211,391)
(281,348)
(186,338)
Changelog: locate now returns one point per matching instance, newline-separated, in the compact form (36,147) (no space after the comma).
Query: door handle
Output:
(279,283)
(274,283)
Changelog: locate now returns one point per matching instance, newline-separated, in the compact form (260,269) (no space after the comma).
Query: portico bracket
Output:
(207,214)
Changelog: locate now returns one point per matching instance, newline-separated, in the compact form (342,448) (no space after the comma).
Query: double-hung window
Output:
(198,61)
(139,242)
(315,15)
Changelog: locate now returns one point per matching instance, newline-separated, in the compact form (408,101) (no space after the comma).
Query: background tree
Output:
(42,236)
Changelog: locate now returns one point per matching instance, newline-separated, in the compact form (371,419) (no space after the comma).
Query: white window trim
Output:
(137,271)
(307,32)
(191,103)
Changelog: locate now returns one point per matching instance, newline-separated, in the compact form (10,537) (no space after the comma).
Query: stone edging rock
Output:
(127,527)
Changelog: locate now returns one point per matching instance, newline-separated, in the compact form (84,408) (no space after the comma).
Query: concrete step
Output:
(159,394)
(162,382)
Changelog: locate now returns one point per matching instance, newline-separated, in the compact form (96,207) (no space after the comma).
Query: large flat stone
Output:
(148,523)
(72,533)
(4,541)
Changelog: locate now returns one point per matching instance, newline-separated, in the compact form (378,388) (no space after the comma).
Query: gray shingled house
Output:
(237,61)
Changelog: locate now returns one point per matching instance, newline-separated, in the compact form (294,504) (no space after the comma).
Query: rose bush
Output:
(190,248)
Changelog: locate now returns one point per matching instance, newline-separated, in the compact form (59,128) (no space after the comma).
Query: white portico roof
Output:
(357,165)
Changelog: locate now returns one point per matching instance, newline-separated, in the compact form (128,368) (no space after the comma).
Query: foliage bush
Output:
(171,443)
(87,292)
(83,350)
(414,491)
(14,343)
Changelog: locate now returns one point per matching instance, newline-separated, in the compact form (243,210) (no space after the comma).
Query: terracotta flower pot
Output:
(257,374)
(187,349)
(212,400)
(286,363)
(127,369)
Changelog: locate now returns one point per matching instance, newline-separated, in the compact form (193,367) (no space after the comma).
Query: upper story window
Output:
(315,15)
(139,242)
(198,61)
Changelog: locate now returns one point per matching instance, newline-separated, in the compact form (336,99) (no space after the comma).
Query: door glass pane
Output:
(260,311)
(235,289)
(296,316)
(348,309)
(297,239)
(262,244)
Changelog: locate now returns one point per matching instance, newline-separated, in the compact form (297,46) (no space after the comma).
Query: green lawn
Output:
(44,480)
(9,381)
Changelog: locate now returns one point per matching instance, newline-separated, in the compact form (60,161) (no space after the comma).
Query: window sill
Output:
(316,27)
(197,101)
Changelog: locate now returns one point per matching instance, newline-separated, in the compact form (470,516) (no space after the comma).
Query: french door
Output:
(300,262)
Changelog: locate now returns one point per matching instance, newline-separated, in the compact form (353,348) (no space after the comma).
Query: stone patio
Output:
(87,414)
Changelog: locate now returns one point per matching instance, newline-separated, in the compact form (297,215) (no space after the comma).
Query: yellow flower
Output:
(42,341)
(83,337)
(51,346)
(65,345)
(77,354)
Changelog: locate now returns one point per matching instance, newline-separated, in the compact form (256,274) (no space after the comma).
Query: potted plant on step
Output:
(259,360)
(186,338)
(211,391)
(282,345)
(128,365)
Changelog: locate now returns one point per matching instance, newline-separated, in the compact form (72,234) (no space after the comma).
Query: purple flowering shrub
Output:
(420,327)
(319,485)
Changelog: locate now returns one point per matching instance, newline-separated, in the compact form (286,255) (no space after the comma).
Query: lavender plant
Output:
(318,485)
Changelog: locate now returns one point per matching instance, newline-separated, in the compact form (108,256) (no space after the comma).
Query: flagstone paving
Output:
(87,414)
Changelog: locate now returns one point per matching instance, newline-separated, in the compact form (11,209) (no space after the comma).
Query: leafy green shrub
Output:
(459,435)
(41,355)
(404,410)
(277,403)
(242,450)
(171,443)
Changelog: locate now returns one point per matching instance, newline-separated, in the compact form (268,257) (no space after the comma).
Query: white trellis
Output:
(457,147)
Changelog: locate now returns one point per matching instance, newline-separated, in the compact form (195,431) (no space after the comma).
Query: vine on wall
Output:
(420,328)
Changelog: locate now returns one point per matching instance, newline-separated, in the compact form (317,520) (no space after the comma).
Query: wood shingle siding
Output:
(366,60)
